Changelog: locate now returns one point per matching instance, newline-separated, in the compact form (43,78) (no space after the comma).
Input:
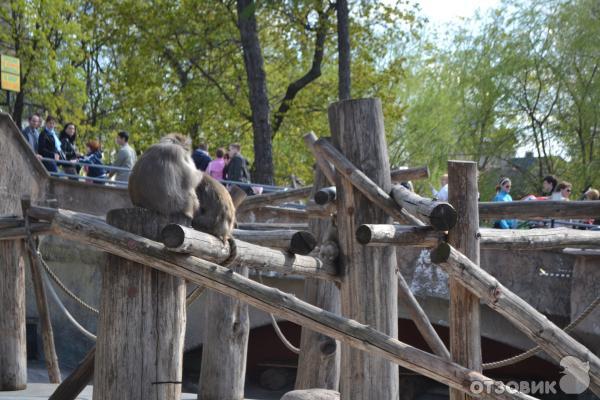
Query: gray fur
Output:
(216,214)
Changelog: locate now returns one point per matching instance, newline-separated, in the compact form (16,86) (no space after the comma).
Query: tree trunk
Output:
(139,352)
(257,91)
(13,353)
(343,27)
(369,290)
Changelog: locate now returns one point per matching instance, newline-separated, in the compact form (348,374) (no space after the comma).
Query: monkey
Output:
(165,178)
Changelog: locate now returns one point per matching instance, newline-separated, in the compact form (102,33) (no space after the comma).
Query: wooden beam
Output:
(327,169)
(537,239)
(465,320)
(81,376)
(399,235)
(440,215)
(539,209)
(410,174)
(268,226)
(83,228)
(185,240)
(18,232)
(296,242)
(262,200)
(325,195)
(553,340)
(315,210)
(364,184)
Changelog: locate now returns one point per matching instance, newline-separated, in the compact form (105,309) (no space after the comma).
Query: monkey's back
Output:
(164,179)
(216,214)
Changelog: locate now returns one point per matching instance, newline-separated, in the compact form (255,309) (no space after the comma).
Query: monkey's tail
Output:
(233,255)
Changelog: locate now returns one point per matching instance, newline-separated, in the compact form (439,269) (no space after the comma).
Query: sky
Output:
(442,12)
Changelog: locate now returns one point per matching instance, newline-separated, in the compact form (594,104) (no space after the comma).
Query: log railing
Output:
(539,209)
(440,215)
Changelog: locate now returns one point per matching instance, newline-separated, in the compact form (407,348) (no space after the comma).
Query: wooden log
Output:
(315,210)
(368,295)
(259,201)
(399,235)
(13,342)
(537,239)
(268,226)
(284,212)
(41,301)
(320,355)
(296,242)
(85,229)
(225,346)
(325,167)
(539,209)
(464,321)
(410,174)
(11,221)
(81,376)
(189,241)
(553,340)
(18,232)
(440,215)
(364,184)
(325,195)
(582,252)
(139,351)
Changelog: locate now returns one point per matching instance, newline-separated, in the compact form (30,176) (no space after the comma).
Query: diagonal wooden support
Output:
(87,229)
(553,340)
(327,169)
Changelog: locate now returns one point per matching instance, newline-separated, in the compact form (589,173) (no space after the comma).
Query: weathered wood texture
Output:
(325,195)
(398,235)
(189,241)
(553,340)
(225,346)
(363,183)
(315,210)
(267,226)
(440,215)
(18,232)
(324,165)
(537,239)
(74,384)
(539,209)
(85,229)
(465,330)
(142,320)
(296,242)
(319,359)
(410,174)
(13,351)
(369,290)
(252,202)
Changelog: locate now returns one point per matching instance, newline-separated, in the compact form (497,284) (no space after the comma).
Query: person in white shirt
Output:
(442,194)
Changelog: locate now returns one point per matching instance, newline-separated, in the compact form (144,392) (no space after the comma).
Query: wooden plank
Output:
(141,327)
(18,232)
(258,201)
(13,341)
(410,174)
(81,376)
(464,321)
(368,295)
(266,226)
(181,239)
(439,214)
(295,242)
(553,340)
(84,228)
(539,209)
(537,239)
(399,235)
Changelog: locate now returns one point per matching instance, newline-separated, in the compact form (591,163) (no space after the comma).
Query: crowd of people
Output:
(60,152)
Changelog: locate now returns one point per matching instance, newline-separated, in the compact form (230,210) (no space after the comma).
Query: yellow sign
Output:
(10,73)
(10,82)
(9,64)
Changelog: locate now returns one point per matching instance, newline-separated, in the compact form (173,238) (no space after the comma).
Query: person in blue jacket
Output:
(94,157)
(502,194)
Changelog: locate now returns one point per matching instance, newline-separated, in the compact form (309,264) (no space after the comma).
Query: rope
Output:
(533,351)
(278,331)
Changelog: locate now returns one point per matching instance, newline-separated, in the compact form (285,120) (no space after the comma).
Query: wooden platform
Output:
(37,391)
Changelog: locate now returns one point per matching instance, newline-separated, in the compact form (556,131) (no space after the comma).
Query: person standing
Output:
(126,158)
(502,194)
(49,145)
(67,137)
(442,195)
(237,169)
(94,158)
(562,192)
(201,157)
(216,167)
(31,132)
(549,185)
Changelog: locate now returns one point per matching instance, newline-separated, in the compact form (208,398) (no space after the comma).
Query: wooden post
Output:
(139,351)
(41,302)
(13,352)
(319,360)
(369,291)
(465,337)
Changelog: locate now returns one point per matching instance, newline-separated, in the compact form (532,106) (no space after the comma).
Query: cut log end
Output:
(441,253)
(303,242)
(172,236)
(364,234)
(324,196)
(443,217)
